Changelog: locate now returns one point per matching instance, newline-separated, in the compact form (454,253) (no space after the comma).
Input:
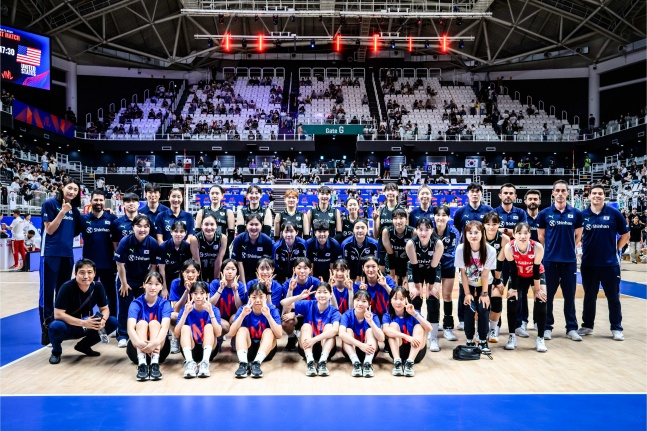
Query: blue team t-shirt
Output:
(137,258)
(359,327)
(140,310)
(406,323)
(59,243)
(466,213)
(197,320)
(257,323)
(510,219)
(165,220)
(317,319)
(276,288)
(226,303)
(248,253)
(559,238)
(599,236)
(379,296)
(97,239)
(311,282)
(342,299)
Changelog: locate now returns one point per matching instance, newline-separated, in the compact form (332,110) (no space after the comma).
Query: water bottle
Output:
(102,332)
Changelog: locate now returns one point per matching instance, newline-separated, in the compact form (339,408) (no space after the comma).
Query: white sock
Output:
(260,356)
(155,358)
(188,354)
(493,325)
(309,357)
(242,355)
(297,333)
(141,358)
(434,330)
(369,359)
(396,359)
(323,357)
(353,358)
(206,353)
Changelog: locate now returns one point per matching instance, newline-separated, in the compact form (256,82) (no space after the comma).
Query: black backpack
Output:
(468,353)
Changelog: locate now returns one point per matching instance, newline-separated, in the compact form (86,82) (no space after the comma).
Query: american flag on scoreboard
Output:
(29,56)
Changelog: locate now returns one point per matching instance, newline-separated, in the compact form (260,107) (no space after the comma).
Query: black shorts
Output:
(404,352)
(198,351)
(448,273)
(131,351)
(316,351)
(253,351)
(528,282)
(360,353)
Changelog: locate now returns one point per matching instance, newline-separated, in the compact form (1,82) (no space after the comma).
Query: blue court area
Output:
(388,412)
(20,336)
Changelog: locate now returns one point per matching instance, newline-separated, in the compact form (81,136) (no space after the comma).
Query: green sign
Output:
(333,129)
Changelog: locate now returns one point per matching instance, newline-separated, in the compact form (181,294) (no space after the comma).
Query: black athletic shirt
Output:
(398,243)
(208,252)
(330,214)
(296,219)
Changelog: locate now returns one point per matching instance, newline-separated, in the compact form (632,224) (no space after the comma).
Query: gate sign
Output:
(333,129)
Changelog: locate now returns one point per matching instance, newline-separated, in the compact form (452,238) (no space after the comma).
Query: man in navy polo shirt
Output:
(153,206)
(508,213)
(98,247)
(322,250)
(559,228)
(600,264)
(475,210)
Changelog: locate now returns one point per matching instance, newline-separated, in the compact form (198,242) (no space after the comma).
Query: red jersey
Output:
(526,260)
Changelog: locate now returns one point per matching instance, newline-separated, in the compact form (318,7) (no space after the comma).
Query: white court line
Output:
(19,282)
(23,357)
(325,395)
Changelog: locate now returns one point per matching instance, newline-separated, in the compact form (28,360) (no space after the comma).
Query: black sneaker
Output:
(155,373)
(387,348)
(86,350)
(291,346)
(368,370)
(311,369)
(256,371)
(484,347)
(243,369)
(470,343)
(322,369)
(54,359)
(142,372)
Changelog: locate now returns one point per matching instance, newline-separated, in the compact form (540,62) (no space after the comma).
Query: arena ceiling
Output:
(502,33)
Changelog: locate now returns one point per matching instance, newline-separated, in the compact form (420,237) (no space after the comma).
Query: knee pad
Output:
(496,304)
(540,308)
(417,302)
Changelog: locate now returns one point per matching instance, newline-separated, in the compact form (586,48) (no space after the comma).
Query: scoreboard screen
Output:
(24,58)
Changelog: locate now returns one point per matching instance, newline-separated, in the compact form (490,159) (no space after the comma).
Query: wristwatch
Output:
(484,294)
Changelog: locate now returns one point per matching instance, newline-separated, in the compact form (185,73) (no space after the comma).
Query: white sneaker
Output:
(433,344)
(190,370)
(548,334)
(585,331)
(573,335)
(175,345)
(540,345)
(512,343)
(428,336)
(461,326)
(493,336)
(204,369)
(449,335)
(618,335)
(123,343)
(522,331)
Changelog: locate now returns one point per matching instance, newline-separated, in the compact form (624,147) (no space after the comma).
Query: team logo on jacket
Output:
(298,218)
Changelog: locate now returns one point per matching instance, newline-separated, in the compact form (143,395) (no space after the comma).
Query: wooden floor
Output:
(595,365)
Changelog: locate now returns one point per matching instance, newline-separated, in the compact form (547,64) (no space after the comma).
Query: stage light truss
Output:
(416,9)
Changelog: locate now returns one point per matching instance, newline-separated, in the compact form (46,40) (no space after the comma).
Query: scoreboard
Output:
(25,58)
